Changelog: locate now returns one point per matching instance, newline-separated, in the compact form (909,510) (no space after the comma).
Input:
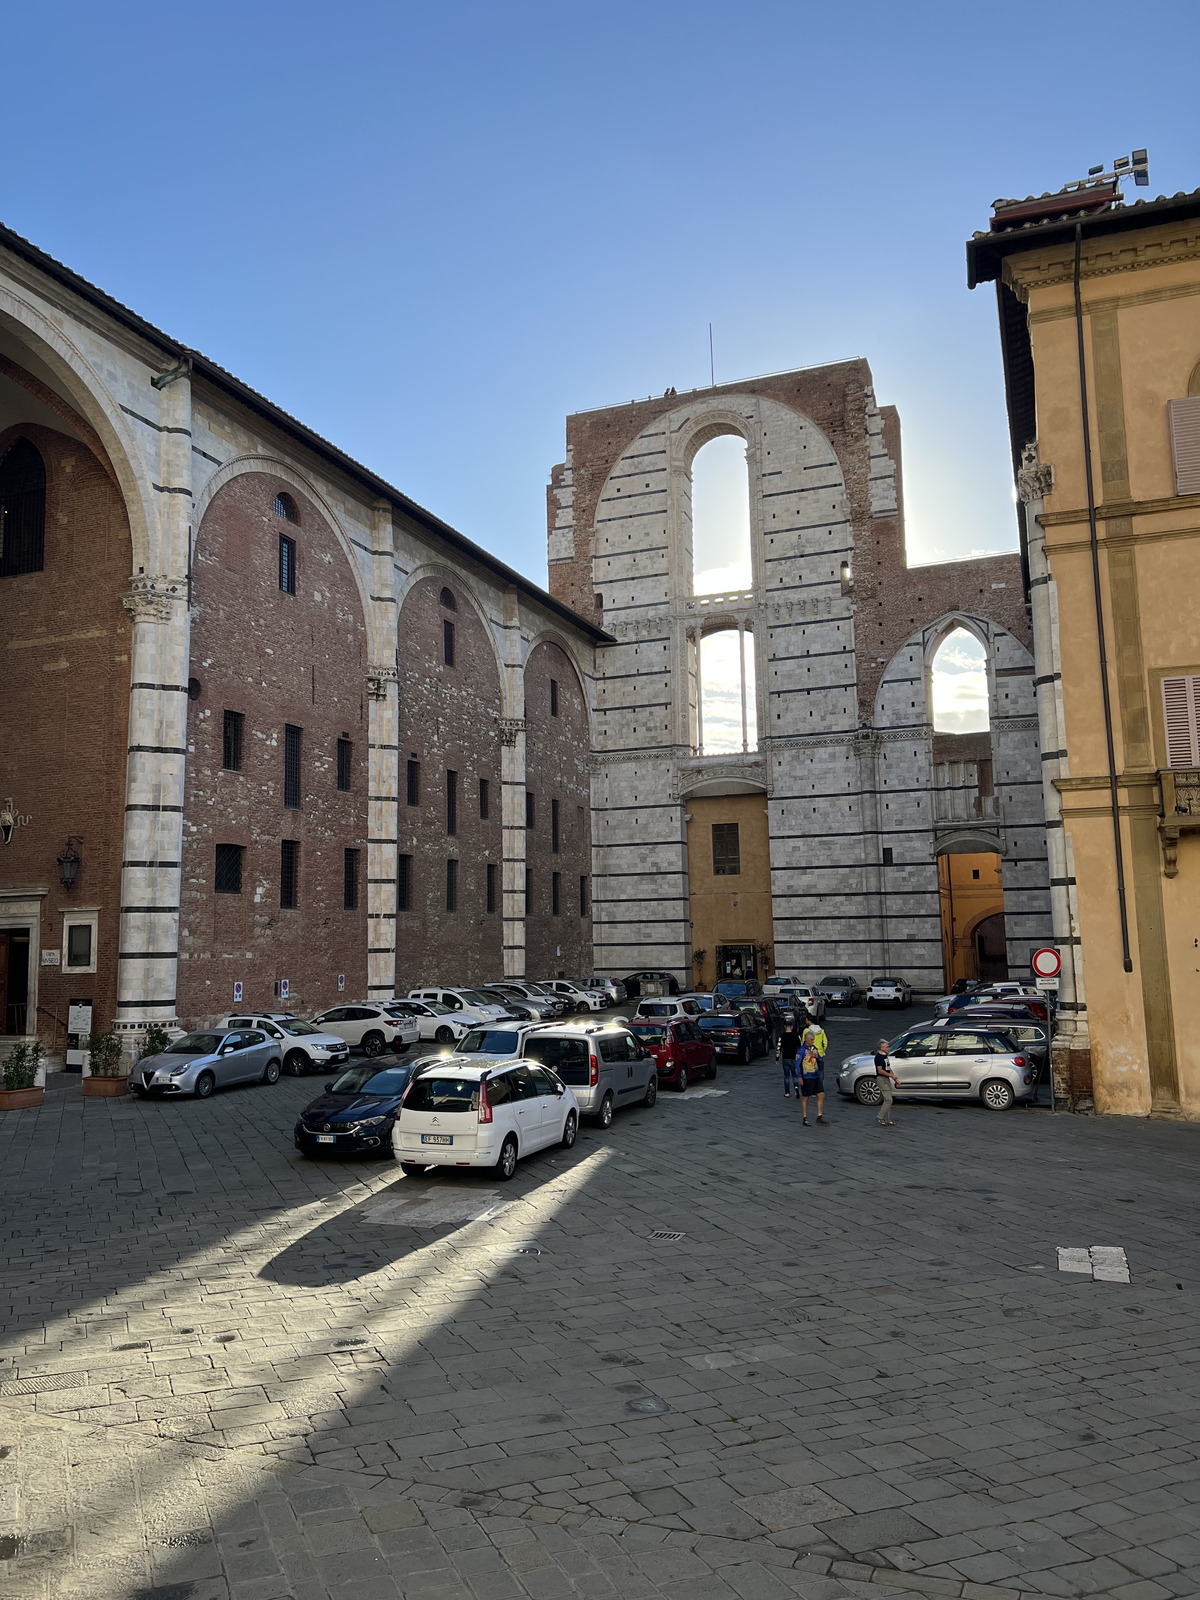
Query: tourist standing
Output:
(786,1052)
(887,1080)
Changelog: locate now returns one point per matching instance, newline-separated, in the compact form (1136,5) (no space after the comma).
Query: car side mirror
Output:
(227,1049)
(559,1090)
(327,1088)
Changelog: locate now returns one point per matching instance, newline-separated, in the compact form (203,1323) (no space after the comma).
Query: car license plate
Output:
(327,1138)
(437,1138)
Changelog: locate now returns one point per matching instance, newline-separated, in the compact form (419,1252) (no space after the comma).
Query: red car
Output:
(679,1048)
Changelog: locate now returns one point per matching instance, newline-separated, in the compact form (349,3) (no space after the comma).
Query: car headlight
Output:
(367,1122)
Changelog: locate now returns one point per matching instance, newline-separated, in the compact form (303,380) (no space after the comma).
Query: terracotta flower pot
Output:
(19,1099)
(104,1087)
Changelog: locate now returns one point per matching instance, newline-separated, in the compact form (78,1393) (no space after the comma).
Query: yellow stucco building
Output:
(1099,307)
(729,870)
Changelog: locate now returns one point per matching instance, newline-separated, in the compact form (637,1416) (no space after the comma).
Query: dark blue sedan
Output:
(354,1113)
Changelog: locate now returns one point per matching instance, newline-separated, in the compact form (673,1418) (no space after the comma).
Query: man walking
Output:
(785,1053)
(814,1044)
(887,1080)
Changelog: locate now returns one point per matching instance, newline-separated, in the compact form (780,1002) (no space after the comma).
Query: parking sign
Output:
(285,989)
(341,981)
(237,994)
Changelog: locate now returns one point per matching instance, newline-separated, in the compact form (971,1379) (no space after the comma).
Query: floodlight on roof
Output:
(1135,166)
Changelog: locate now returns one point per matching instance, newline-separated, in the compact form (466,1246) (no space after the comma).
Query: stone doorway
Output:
(14,979)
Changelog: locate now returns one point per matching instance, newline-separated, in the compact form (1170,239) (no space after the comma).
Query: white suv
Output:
(305,1048)
(371,1026)
(457,1114)
(472,1005)
(434,1021)
(667,1010)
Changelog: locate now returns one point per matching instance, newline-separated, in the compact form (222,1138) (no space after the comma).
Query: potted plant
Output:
(106,1073)
(19,1086)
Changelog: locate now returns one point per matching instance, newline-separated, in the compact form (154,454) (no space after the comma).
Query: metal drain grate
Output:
(52,1380)
(666,1234)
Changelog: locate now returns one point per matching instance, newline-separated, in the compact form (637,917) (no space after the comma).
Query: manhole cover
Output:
(528,1250)
(667,1235)
(648,1406)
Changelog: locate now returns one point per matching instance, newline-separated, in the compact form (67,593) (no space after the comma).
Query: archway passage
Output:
(971,900)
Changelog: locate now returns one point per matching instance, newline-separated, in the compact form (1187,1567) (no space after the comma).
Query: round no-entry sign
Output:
(1046,963)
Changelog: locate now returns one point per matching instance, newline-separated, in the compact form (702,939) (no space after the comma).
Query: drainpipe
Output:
(1113,800)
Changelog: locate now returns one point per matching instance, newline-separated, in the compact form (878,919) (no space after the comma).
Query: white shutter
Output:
(1181,715)
(1184,418)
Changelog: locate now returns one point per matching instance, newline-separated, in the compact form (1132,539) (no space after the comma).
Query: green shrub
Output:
(156,1041)
(105,1051)
(21,1068)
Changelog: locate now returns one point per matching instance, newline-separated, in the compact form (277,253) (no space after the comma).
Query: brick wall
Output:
(64,717)
(556,768)
(277,658)
(449,721)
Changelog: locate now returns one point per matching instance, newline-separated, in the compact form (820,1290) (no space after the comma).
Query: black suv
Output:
(740,1034)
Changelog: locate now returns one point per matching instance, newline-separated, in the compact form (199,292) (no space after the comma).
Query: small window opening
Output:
(79,943)
(404,883)
(285,507)
(448,642)
(485,799)
(447,600)
(529,808)
(227,877)
(451,802)
(350,880)
(345,754)
(451,884)
(414,783)
(492,875)
(555,891)
(554,826)
(553,697)
(231,746)
(289,874)
(287,564)
(292,742)
(727,850)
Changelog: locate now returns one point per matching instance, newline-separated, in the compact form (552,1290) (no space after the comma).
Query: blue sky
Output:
(430,232)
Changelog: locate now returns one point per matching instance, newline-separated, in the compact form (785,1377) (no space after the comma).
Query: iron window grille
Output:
(451,884)
(345,759)
(484,799)
(726,848)
(292,744)
(289,873)
(22,510)
(528,890)
(404,883)
(231,751)
(287,564)
(447,641)
(451,801)
(554,826)
(555,891)
(350,880)
(491,886)
(583,896)
(227,877)
(887,855)
(285,507)
(553,697)
(414,783)
(529,808)
(447,600)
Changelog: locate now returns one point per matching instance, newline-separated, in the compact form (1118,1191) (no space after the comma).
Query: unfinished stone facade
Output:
(158,604)
(842,635)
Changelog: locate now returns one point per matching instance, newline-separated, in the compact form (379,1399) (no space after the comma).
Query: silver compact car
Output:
(212,1059)
(947,1064)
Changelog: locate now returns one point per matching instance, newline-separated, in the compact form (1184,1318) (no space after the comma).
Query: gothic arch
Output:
(443,574)
(85,390)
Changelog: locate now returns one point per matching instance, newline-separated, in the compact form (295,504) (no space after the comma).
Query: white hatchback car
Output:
(580,999)
(371,1026)
(472,1005)
(458,1114)
(435,1022)
(889,992)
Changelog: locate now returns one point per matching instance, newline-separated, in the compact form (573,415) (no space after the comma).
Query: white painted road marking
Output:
(1104,1262)
(438,1210)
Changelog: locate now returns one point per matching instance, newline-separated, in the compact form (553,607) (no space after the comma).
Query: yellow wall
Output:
(965,900)
(729,910)
(1141,294)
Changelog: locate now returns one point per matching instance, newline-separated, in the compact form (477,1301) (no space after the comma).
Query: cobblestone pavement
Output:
(232,1374)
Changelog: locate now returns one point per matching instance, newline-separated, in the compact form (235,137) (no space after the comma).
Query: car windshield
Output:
(431,1093)
(650,1032)
(195,1044)
(367,1079)
(489,1042)
(834,979)
(295,1026)
(720,1020)
(542,988)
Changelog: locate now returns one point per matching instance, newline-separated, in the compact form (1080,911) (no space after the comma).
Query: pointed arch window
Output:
(22,510)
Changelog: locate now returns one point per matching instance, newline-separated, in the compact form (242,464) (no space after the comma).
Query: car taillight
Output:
(485,1110)
(1018,1061)
(594,1073)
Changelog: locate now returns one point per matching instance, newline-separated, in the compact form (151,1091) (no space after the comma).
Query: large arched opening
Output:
(720,514)
(725,692)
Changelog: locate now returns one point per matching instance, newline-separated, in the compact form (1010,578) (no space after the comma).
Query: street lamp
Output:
(69,862)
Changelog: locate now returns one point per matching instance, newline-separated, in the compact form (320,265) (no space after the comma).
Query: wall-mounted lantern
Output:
(69,862)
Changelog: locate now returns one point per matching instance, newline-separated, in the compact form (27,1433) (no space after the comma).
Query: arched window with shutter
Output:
(22,510)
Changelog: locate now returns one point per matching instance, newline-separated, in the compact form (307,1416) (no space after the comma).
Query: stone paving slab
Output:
(228,1373)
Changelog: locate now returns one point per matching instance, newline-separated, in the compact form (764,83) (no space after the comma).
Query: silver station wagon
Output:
(940,1064)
